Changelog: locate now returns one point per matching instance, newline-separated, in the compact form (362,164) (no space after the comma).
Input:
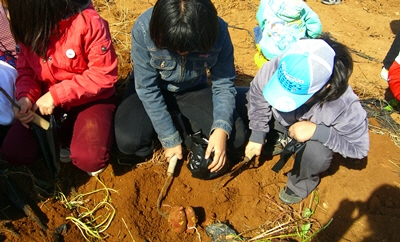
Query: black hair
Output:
(33,22)
(342,70)
(184,25)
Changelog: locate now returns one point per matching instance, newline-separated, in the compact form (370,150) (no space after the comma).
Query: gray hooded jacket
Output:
(342,125)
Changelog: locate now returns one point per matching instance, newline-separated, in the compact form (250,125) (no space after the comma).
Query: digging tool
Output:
(46,135)
(41,122)
(246,161)
(170,173)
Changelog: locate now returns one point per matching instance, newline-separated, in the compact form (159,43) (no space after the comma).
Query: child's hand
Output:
(45,104)
(253,147)
(22,114)
(217,143)
(302,131)
(170,152)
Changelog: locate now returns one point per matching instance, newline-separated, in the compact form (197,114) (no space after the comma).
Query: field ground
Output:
(359,198)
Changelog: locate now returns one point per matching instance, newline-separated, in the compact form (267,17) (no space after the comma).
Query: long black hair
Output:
(342,70)
(184,25)
(33,22)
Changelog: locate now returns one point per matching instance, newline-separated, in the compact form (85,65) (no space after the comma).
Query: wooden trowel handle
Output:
(172,164)
(41,122)
(251,154)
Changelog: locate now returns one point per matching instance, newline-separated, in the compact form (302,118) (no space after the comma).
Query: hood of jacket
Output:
(287,10)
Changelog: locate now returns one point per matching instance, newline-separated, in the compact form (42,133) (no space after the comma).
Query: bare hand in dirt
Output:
(253,147)
(45,104)
(217,143)
(22,114)
(302,131)
(170,152)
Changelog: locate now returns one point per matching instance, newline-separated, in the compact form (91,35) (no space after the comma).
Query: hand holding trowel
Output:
(41,122)
(46,135)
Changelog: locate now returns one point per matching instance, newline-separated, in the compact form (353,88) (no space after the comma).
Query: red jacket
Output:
(394,78)
(81,65)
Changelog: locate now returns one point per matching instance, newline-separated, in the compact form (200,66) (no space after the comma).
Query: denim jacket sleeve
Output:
(222,77)
(147,84)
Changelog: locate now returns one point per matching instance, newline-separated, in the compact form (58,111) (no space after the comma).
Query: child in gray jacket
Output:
(305,94)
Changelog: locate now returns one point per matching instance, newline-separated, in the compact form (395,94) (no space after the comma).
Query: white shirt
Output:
(8,74)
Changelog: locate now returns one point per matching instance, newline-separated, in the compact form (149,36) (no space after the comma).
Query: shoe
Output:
(331,2)
(65,154)
(288,196)
(95,173)
(384,74)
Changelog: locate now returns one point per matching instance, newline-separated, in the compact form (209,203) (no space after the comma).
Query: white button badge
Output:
(70,53)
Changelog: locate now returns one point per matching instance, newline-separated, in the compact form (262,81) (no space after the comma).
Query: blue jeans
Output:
(134,131)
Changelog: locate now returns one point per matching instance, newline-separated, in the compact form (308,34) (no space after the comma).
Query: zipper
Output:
(182,65)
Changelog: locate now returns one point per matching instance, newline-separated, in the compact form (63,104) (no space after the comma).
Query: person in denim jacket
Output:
(175,44)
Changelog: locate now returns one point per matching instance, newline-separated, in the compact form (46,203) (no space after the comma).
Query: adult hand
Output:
(170,152)
(217,143)
(45,104)
(253,147)
(22,114)
(302,131)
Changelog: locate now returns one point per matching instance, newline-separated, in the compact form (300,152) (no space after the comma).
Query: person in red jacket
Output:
(66,63)
(391,54)
(394,78)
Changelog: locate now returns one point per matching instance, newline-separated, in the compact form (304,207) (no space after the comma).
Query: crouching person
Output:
(305,94)
(66,63)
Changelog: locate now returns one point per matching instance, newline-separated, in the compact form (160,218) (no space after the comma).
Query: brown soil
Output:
(361,197)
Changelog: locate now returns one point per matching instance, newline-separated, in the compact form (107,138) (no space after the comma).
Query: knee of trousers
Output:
(12,153)
(316,157)
(127,145)
(126,142)
(91,160)
(17,158)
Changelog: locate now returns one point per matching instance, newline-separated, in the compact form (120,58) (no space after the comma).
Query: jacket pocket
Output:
(165,67)
(72,58)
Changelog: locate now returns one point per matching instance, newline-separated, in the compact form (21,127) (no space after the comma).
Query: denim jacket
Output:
(156,69)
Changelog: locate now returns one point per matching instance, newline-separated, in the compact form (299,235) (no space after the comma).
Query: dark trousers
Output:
(311,161)
(392,53)
(315,159)
(3,131)
(134,131)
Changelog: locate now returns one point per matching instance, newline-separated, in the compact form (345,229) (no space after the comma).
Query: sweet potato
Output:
(191,220)
(177,219)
